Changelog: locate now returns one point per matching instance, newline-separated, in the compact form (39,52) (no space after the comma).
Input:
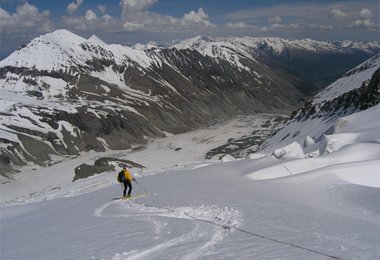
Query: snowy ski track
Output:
(203,227)
(222,223)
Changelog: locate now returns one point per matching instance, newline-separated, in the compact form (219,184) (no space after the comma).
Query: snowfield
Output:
(313,204)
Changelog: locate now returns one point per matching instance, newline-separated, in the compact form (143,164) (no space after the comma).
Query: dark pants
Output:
(127,184)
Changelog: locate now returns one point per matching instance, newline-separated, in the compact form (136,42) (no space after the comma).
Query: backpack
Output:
(121,176)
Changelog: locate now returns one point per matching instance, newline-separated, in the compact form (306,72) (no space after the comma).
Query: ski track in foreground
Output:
(210,225)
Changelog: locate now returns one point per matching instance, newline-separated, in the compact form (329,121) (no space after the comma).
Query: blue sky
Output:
(132,21)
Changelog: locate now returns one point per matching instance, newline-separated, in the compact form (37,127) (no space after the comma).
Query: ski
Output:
(139,195)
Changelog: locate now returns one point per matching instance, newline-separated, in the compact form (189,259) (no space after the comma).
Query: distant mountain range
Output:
(62,94)
(316,63)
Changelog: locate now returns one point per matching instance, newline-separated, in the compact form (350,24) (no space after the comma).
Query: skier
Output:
(125,177)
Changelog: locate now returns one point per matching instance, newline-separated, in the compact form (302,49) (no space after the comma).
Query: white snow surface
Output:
(291,151)
(324,207)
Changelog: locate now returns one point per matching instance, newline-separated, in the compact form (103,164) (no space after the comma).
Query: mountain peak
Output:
(96,40)
(63,33)
(202,38)
(148,46)
(62,37)
(192,42)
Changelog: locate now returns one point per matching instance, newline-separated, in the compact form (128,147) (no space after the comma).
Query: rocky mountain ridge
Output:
(206,45)
(316,63)
(357,90)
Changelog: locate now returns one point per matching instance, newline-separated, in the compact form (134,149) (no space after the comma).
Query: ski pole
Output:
(140,186)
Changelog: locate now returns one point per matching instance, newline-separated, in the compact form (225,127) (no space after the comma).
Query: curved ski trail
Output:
(177,233)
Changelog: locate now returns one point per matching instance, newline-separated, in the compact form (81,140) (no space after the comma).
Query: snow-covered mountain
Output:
(249,46)
(315,63)
(277,45)
(325,114)
(62,94)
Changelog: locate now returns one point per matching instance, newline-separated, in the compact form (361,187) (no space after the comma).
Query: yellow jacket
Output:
(128,175)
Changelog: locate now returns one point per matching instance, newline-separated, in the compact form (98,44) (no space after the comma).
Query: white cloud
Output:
(294,25)
(320,27)
(330,20)
(90,21)
(82,23)
(136,5)
(90,15)
(291,27)
(74,23)
(137,17)
(199,17)
(240,25)
(132,26)
(366,13)
(363,24)
(272,28)
(25,23)
(4,14)
(102,8)
(275,19)
(337,13)
(277,26)
(299,10)
(73,7)
(147,21)
(107,17)
(25,18)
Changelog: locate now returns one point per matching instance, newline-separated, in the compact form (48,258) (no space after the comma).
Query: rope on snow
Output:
(244,231)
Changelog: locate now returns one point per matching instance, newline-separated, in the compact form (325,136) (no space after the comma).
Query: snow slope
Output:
(325,207)
(156,156)
(201,213)
(356,90)
(353,79)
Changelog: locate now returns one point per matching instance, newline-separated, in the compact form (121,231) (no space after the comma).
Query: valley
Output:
(62,94)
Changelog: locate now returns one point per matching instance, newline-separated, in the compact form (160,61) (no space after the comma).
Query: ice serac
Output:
(62,94)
